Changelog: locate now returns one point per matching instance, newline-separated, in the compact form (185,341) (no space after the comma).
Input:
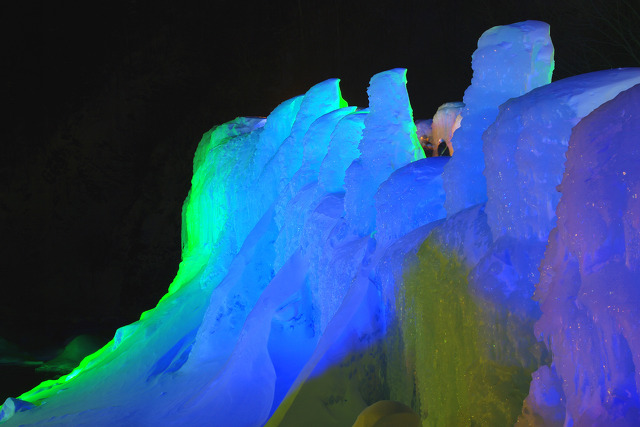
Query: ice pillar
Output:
(389,141)
(510,61)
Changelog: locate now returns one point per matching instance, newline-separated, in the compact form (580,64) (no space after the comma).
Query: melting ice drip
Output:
(328,265)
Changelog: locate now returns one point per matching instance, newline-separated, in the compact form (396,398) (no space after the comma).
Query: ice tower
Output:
(510,61)
(589,289)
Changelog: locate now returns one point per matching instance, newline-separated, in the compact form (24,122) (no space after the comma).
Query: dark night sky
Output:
(108,102)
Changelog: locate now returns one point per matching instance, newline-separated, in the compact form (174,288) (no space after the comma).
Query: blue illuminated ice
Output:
(343,149)
(524,149)
(302,234)
(590,286)
(389,141)
(510,61)
(445,122)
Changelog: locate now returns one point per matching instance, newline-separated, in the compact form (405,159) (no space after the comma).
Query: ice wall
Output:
(389,141)
(321,273)
(524,149)
(510,61)
(274,284)
(589,290)
(343,149)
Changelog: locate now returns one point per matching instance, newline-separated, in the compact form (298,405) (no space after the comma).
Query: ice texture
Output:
(510,61)
(11,406)
(589,290)
(328,267)
(389,141)
(524,149)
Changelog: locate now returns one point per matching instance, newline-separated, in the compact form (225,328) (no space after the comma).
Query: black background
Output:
(107,101)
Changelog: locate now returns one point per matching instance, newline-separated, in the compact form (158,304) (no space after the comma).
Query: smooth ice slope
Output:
(222,230)
(510,61)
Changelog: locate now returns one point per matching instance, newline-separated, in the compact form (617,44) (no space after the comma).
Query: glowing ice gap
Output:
(321,272)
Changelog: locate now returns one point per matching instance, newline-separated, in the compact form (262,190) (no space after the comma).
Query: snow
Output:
(329,267)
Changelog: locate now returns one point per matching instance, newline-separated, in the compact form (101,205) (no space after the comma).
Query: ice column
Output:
(389,141)
(524,149)
(510,61)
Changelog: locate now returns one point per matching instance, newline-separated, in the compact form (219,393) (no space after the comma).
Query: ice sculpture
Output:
(509,62)
(330,270)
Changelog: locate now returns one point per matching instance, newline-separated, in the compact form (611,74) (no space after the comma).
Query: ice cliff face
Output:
(327,265)
(590,285)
